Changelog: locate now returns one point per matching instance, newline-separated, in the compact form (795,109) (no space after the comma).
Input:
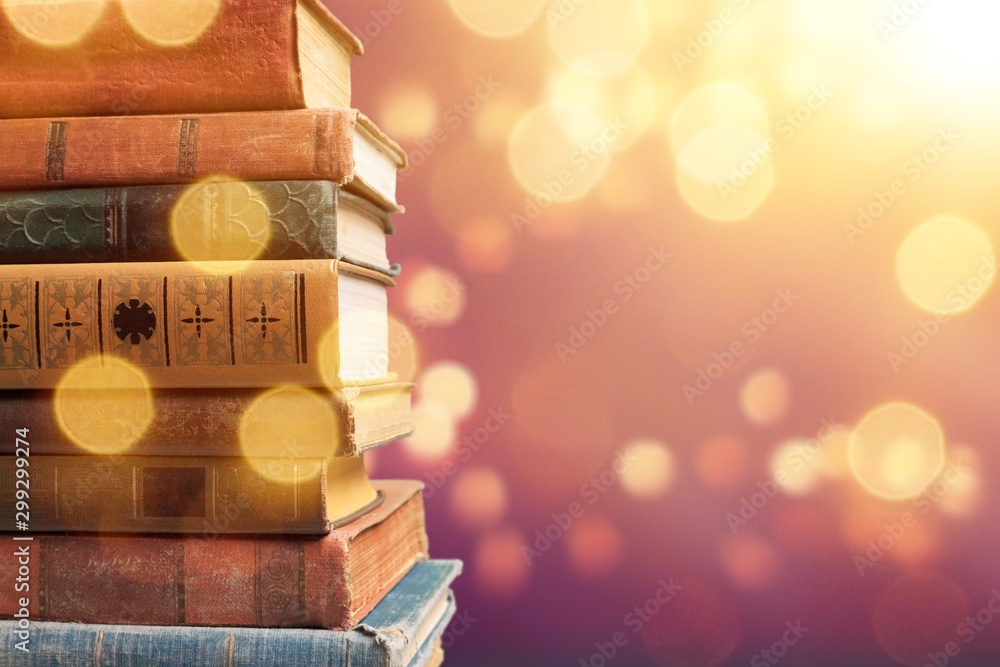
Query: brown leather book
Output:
(310,322)
(304,582)
(206,422)
(192,494)
(338,145)
(132,58)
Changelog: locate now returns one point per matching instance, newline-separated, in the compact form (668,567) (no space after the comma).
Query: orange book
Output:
(134,57)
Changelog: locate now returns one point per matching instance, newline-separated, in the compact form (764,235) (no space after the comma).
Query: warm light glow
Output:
(499,567)
(717,103)
(722,463)
(171,22)
(628,97)
(595,546)
(478,498)
(561,151)
(434,431)
(404,355)
(734,198)
(600,37)
(946,265)
(750,561)
(220,220)
(959,487)
(409,112)
(55,23)
(435,295)
(765,397)
(896,451)
(498,19)
(951,44)
(486,244)
(648,470)
(797,467)
(451,386)
(104,407)
(287,424)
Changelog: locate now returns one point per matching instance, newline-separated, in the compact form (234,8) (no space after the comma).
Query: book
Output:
(270,220)
(327,582)
(403,630)
(258,324)
(338,145)
(206,422)
(241,55)
(190,494)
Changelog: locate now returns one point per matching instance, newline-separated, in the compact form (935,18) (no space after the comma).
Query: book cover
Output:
(222,580)
(404,630)
(131,58)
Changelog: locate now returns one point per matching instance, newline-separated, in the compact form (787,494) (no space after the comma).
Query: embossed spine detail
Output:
(55,152)
(187,149)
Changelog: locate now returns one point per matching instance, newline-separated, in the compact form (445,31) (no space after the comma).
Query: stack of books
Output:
(194,347)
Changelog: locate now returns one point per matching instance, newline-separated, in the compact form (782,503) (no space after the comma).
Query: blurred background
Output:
(698,300)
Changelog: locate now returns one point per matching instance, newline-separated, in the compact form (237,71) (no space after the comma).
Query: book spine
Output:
(186,422)
(133,224)
(183,326)
(127,73)
(226,581)
(195,495)
(46,154)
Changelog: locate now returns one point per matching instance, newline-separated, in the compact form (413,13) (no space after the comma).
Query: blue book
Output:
(404,630)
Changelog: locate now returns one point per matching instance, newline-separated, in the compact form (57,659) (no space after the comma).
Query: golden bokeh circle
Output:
(54,23)
(497,19)
(171,22)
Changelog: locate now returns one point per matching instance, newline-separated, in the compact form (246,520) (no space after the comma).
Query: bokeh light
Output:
(595,546)
(751,562)
(499,567)
(498,19)
(722,463)
(628,97)
(451,386)
(698,626)
(958,490)
(287,432)
(648,470)
(404,355)
(486,244)
(765,397)
(559,152)
(600,37)
(798,466)
(104,406)
(919,615)
(409,112)
(220,220)
(434,431)
(946,265)
(478,498)
(171,22)
(436,296)
(54,23)
(717,103)
(896,451)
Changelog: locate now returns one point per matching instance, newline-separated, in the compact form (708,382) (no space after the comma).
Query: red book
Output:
(138,57)
(330,582)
